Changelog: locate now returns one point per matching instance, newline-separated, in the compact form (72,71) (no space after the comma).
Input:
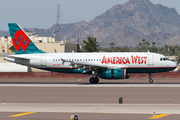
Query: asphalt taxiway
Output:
(59,98)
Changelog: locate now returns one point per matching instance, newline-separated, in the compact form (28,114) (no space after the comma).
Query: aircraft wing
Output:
(91,66)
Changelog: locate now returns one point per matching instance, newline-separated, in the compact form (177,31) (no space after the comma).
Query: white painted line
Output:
(89,85)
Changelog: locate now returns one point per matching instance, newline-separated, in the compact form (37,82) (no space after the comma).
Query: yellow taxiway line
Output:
(79,79)
(159,116)
(21,114)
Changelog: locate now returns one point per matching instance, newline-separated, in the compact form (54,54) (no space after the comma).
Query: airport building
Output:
(47,44)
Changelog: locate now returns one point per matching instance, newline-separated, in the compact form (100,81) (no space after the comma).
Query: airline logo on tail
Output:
(21,40)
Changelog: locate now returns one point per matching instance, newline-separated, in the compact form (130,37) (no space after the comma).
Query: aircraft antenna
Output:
(58,21)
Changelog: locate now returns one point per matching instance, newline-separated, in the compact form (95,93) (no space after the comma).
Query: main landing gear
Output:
(150,78)
(94,80)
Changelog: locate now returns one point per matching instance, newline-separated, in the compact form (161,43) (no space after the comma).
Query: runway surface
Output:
(86,81)
(58,99)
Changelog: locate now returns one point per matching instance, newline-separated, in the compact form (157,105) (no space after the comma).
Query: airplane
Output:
(112,65)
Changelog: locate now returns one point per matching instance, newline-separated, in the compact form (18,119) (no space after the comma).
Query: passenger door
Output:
(150,60)
(43,60)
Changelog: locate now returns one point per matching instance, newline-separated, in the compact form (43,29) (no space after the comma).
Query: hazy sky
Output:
(42,13)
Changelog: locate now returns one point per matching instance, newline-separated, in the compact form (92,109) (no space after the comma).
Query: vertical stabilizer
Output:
(21,41)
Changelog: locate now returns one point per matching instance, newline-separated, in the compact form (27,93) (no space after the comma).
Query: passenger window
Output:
(99,59)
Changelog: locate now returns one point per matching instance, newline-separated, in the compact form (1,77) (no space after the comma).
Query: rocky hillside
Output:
(125,24)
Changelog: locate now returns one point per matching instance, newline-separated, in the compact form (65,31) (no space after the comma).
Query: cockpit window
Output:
(164,59)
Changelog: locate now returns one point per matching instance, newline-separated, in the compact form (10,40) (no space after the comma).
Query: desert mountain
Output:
(125,24)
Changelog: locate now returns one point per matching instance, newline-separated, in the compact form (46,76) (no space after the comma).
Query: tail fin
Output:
(21,42)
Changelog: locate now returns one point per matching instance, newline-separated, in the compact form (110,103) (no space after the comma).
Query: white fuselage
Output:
(134,62)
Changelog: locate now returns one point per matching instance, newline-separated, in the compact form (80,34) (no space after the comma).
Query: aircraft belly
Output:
(148,70)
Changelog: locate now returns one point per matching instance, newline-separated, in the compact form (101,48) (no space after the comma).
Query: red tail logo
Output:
(21,40)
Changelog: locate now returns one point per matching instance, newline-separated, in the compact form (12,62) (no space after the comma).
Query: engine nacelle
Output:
(114,74)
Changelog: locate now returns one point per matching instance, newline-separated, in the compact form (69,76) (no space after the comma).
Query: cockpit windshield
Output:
(164,59)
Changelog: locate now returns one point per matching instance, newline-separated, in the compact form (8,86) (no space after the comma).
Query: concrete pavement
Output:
(59,98)
(92,108)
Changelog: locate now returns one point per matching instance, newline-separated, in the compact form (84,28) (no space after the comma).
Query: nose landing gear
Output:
(150,78)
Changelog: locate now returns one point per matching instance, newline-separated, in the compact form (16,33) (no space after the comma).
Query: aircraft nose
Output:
(174,64)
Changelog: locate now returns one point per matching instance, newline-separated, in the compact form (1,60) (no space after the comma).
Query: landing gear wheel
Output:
(151,81)
(96,80)
(93,80)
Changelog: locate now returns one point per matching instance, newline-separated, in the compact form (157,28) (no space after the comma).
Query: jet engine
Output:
(114,74)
